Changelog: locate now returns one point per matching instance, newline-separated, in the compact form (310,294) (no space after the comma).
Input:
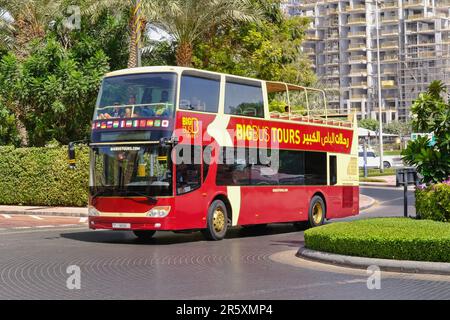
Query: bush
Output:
(433,202)
(386,238)
(40,176)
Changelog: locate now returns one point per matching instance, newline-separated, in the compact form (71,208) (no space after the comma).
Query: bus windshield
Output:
(137,96)
(131,170)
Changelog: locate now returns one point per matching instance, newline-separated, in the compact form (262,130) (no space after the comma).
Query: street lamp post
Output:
(380,113)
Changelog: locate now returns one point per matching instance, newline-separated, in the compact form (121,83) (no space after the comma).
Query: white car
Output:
(373,161)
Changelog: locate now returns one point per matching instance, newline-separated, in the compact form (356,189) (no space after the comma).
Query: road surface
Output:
(115,265)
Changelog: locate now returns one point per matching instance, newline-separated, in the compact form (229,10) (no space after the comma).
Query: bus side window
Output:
(333,170)
(244,98)
(188,171)
(199,93)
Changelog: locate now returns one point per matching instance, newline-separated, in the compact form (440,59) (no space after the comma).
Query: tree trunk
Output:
(22,131)
(184,54)
(133,58)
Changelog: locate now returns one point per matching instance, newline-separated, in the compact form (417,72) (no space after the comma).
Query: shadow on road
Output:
(169,238)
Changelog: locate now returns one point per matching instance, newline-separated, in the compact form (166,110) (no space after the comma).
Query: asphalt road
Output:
(114,265)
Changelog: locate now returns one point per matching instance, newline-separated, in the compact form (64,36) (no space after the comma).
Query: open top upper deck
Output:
(267,100)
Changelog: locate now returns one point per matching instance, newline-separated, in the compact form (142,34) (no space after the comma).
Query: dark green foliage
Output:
(431,114)
(386,238)
(40,176)
(433,202)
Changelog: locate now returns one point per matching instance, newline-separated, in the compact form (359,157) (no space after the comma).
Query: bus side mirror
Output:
(71,153)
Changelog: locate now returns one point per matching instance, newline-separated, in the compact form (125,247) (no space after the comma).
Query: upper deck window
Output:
(137,96)
(244,98)
(200,93)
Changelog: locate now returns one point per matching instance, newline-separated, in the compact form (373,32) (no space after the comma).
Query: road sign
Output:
(430,136)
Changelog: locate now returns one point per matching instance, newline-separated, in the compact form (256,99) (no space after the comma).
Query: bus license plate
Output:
(121,226)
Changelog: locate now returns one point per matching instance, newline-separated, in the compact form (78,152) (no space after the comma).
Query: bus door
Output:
(190,203)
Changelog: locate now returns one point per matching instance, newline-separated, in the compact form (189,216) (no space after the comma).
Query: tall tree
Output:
(188,21)
(23,21)
(139,12)
(268,49)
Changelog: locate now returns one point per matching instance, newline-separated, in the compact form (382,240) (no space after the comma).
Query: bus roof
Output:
(169,69)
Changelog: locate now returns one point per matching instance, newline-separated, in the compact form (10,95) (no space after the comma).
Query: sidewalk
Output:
(365,202)
(45,211)
(388,181)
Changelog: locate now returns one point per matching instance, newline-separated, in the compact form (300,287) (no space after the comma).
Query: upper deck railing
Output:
(313,106)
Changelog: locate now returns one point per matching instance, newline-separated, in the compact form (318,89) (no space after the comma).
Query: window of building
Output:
(244,98)
(200,94)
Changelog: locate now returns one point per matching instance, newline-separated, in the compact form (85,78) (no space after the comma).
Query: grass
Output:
(386,238)
(392,153)
(376,172)
(362,179)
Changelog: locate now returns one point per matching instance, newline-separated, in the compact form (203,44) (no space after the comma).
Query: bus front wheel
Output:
(317,212)
(217,221)
(144,234)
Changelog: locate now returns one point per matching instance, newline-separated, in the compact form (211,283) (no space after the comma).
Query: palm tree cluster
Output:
(22,21)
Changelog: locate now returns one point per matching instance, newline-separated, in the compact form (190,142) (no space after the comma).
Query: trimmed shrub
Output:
(41,177)
(433,202)
(386,238)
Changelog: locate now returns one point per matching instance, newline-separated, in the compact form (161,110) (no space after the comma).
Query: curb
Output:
(377,184)
(404,266)
(369,205)
(47,213)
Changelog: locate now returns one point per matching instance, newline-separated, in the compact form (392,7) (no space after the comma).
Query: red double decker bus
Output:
(180,149)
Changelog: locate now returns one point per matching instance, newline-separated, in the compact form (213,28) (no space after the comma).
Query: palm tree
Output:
(187,21)
(22,21)
(140,11)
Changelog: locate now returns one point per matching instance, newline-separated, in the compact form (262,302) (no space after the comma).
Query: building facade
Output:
(414,49)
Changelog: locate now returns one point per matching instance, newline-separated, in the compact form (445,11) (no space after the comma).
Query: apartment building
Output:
(414,49)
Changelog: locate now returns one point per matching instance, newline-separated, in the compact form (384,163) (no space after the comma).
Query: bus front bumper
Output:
(128,223)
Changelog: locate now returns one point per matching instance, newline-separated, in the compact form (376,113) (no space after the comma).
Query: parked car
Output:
(373,160)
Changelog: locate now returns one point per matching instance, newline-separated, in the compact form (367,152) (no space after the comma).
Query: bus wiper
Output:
(150,198)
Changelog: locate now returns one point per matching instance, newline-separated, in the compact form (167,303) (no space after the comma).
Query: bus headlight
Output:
(92,212)
(159,212)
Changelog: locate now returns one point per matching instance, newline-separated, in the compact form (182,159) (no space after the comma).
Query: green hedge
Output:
(40,176)
(386,238)
(433,202)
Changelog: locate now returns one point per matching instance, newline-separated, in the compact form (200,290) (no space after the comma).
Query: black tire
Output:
(317,212)
(216,222)
(386,164)
(144,234)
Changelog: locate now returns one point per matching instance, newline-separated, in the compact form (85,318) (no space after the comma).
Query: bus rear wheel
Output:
(217,221)
(144,234)
(317,212)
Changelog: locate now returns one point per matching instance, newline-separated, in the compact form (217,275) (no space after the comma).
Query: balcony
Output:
(357,47)
(413,4)
(356,21)
(419,17)
(389,33)
(389,45)
(359,85)
(358,72)
(390,59)
(356,8)
(389,6)
(360,34)
(389,19)
(357,59)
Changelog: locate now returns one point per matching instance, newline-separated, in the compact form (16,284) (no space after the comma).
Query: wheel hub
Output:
(219,220)
(317,213)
